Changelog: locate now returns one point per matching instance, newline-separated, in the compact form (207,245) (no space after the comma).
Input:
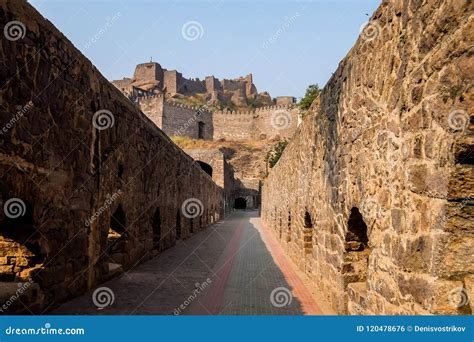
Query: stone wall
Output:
(152,77)
(181,120)
(190,121)
(178,119)
(222,172)
(263,123)
(373,198)
(89,185)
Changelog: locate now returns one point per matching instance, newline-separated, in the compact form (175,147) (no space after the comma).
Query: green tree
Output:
(312,92)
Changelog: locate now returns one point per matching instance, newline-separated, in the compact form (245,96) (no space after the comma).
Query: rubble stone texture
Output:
(373,197)
(96,200)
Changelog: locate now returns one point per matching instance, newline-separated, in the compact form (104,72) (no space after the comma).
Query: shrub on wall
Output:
(312,92)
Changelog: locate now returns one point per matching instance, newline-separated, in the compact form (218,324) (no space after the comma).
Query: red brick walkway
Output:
(238,259)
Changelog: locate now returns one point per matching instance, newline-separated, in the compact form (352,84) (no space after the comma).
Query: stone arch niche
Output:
(201,127)
(20,250)
(117,236)
(307,235)
(156,228)
(205,167)
(240,203)
(178,225)
(288,236)
(356,256)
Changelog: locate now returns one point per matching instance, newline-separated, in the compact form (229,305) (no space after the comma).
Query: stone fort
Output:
(372,197)
(153,90)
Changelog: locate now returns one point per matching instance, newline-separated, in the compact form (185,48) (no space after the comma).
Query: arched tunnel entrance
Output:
(240,203)
(205,167)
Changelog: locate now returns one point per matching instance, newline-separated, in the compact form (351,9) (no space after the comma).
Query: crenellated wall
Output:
(177,119)
(373,197)
(262,123)
(97,187)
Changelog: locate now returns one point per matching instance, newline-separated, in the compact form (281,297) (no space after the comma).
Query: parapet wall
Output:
(94,193)
(263,123)
(182,120)
(373,197)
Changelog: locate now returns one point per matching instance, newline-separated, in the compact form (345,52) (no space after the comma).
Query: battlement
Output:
(184,106)
(255,111)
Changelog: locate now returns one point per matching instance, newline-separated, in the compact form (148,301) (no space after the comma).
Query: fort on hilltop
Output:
(151,78)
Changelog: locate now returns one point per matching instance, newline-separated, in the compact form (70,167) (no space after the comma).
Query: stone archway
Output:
(205,167)
(240,203)
(156,227)
(201,126)
(21,248)
(357,253)
(117,236)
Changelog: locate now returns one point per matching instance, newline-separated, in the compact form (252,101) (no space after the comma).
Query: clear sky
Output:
(286,45)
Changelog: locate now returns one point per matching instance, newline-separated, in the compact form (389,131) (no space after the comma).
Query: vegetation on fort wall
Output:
(313,91)
(275,153)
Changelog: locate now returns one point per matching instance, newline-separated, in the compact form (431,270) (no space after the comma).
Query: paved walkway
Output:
(235,267)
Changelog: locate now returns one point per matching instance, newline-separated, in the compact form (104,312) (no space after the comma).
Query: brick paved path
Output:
(231,268)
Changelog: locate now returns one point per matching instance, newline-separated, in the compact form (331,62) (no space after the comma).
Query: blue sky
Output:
(286,45)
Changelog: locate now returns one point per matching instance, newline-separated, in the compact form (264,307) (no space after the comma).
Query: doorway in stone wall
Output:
(19,238)
(117,237)
(200,130)
(156,227)
(240,203)
(357,251)
(178,225)
(288,234)
(307,233)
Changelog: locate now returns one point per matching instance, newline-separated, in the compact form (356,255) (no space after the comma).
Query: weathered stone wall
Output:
(182,120)
(152,107)
(373,198)
(263,123)
(222,172)
(177,119)
(96,193)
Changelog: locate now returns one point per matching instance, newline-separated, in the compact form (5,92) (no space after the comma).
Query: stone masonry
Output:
(153,78)
(98,186)
(373,197)
(213,162)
